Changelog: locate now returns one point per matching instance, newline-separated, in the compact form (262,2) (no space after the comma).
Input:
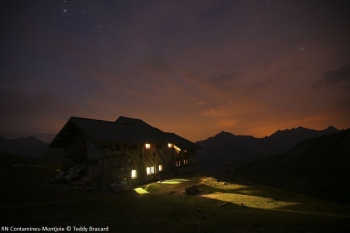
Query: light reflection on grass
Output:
(152,187)
(241,195)
(267,204)
(249,200)
(174,181)
(266,198)
(141,191)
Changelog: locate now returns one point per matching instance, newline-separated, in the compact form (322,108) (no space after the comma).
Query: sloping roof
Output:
(123,130)
(181,142)
(132,121)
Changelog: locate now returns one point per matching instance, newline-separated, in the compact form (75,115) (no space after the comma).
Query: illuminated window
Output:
(150,170)
(170,145)
(133,174)
(177,148)
(148,146)
(185,161)
(178,163)
(160,167)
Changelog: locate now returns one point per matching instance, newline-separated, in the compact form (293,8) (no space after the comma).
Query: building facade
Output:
(127,150)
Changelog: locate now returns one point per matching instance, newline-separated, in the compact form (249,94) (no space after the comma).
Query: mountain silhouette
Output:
(235,150)
(318,166)
(30,146)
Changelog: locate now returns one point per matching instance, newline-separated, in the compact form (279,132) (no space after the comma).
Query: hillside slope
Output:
(318,166)
(238,150)
(29,146)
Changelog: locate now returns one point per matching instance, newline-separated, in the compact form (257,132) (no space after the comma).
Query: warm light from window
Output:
(170,145)
(160,167)
(148,146)
(177,148)
(133,174)
(150,170)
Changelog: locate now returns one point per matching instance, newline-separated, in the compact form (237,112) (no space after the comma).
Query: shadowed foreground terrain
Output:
(223,204)
(318,166)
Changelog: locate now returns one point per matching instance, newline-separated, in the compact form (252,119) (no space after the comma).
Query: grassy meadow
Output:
(224,203)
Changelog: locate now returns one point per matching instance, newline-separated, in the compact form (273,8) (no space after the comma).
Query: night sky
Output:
(194,68)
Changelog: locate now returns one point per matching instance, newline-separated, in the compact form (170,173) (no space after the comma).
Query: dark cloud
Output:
(221,81)
(212,77)
(21,104)
(155,67)
(255,87)
(336,77)
(297,68)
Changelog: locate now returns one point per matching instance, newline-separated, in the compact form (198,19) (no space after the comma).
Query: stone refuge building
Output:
(128,150)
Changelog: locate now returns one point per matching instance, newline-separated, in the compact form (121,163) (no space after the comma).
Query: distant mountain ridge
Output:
(319,166)
(227,148)
(215,152)
(30,146)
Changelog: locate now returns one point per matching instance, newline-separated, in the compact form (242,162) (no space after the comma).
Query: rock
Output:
(193,190)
